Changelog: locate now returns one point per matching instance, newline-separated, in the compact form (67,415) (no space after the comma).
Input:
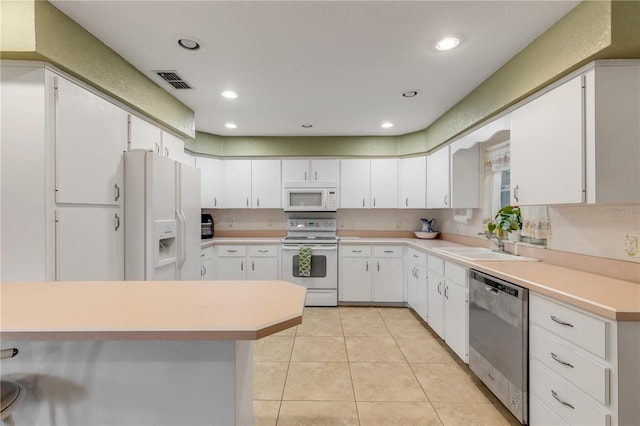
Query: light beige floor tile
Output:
(397,413)
(381,381)
(268,380)
(265,413)
(359,312)
(406,328)
(447,383)
(318,381)
(373,349)
(469,413)
(320,327)
(291,331)
(370,327)
(319,349)
(318,413)
(396,313)
(273,348)
(321,312)
(426,349)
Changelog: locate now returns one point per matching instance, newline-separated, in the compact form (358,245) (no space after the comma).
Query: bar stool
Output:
(12,393)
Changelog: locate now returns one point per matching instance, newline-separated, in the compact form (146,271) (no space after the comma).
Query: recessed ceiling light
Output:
(447,43)
(189,44)
(409,93)
(387,125)
(307,126)
(229,94)
(231,126)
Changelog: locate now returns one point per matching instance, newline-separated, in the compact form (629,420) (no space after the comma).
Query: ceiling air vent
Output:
(173,79)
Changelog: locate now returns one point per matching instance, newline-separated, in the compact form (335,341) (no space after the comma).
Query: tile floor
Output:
(366,366)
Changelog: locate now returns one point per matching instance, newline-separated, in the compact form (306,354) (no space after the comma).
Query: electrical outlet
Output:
(631,248)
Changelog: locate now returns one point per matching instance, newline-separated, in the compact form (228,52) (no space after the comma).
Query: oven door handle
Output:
(314,248)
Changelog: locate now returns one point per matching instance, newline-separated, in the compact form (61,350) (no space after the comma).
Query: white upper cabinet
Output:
(438,196)
(144,135)
(355,184)
(412,183)
(91,135)
(212,185)
(310,170)
(266,187)
(578,142)
(237,187)
(384,183)
(173,147)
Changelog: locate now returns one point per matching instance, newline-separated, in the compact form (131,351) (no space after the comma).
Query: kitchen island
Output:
(143,353)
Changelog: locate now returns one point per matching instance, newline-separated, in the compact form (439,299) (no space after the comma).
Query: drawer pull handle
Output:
(416,256)
(356,251)
(561,322)
(263,251)
(388,251)
(555,395)
(232,251)
(555,358)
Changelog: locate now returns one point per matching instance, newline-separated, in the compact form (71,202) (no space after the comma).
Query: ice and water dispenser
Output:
(164,232)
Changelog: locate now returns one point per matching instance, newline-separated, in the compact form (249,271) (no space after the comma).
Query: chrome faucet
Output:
(493,238)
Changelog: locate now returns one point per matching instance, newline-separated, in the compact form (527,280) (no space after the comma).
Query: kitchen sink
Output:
(481,253)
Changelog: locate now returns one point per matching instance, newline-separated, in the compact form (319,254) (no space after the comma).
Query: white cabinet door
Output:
(237,189)
(325,170)
(421,302)
(435,299)
(232,268)
(355,184)
(91,137)
(438,196)
(387,280)
(266,188)
(412,284)
(384,183)
(212,187)
(412,183)
(207,271)
(547,147)
(456,319)
(262,268)
(295,170)
(144,135)
(90,244)
(172,147)
(356,280)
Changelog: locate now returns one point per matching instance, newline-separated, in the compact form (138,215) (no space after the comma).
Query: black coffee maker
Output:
(206,226)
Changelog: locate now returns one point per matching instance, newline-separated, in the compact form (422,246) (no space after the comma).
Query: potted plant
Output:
(509,220)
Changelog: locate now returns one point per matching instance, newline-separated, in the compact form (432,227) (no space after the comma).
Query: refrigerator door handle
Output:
(183,243)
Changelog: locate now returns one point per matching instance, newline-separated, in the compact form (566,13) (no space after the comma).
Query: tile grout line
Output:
(353,389)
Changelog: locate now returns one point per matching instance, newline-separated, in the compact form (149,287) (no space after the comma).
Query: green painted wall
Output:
(62,42)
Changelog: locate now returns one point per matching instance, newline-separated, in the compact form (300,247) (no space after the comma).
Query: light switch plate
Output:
(631,248)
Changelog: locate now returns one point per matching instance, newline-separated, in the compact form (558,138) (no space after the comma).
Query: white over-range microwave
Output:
(310,197)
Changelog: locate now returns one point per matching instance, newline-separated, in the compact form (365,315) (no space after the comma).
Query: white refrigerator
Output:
(162,218)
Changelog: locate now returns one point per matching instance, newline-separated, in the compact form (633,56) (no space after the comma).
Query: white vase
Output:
(515,236)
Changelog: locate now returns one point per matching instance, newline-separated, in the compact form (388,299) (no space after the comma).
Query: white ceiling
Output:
(339,65)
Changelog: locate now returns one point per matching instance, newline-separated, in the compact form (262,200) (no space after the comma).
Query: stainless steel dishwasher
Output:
(499,339)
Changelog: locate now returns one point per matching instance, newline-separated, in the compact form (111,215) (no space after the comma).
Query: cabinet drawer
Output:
(263,251)
(417,257)
(387,251)
(436,264)
(455,273)
(206,254)
(564,398)
(569,363)
(541,414)
(355,251)
(584,330)
(232,251)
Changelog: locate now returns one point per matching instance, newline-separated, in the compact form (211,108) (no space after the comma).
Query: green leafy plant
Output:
(508,219)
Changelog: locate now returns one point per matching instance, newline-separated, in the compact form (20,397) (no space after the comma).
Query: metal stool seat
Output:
(11,393)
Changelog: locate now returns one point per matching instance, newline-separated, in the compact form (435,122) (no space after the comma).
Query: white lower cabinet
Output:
(417,282)
(371,274)
(207,270)
(448,302)
(584,369)
(254,262)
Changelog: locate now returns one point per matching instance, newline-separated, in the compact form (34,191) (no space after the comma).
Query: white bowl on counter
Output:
(425,235)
